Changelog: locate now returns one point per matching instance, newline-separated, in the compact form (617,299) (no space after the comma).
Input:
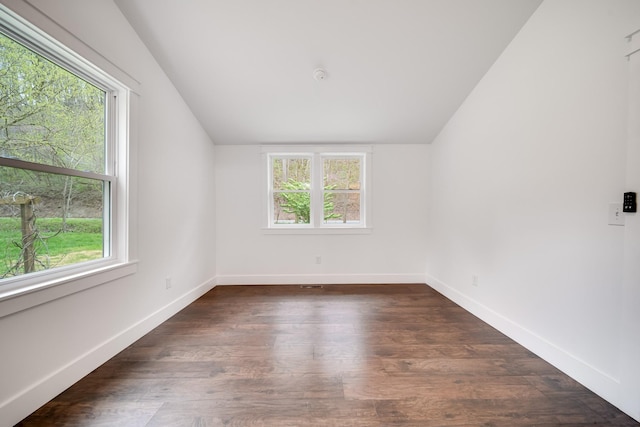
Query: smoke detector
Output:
(319,74)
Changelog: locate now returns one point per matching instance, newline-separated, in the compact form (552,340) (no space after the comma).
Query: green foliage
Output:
(83,242)
(299,204)
(47,114)
(286,169)
(74,225)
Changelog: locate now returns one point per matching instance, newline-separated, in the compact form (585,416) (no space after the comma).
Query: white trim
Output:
(21,404)
(21,297)
(47,27)
(324,230)
(597,381)
(317,154)
(323,279)
(29,290)
(50,46)
(316,148)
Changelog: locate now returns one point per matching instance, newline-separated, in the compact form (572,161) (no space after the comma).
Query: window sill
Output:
(41,292)
(327,230)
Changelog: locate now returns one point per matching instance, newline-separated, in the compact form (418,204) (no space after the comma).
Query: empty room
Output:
(319,213)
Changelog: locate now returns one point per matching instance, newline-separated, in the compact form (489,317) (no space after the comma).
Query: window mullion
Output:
(363,190)
(270,193)
(317,196)
(111,132)
(41,167)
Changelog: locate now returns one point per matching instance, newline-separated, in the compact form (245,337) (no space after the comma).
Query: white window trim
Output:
(22,292)
(318,153)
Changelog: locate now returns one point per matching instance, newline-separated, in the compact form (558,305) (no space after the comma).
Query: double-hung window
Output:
(63,156)
(318,188)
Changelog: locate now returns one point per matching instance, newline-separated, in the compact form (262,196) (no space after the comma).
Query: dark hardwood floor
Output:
(342,355)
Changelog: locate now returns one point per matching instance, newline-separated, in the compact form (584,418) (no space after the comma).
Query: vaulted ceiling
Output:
(396,70)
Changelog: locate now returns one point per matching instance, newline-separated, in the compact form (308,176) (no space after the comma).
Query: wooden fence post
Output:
(28,228)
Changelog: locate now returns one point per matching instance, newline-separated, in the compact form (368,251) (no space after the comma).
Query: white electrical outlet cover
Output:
(616,216)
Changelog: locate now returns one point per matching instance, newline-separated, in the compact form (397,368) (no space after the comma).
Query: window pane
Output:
(341,208)
(342,174)
(291,174)
(291,207)
(48,115)
(48,220)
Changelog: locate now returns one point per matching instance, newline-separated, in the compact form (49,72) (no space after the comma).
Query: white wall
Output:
(629,330)
(521,178)
(47,348)
(393,252)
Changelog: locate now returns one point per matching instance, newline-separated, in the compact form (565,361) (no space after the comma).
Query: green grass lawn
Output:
(81,242)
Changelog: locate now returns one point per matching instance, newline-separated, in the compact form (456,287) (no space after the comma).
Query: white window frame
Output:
(317,154)
(25,291)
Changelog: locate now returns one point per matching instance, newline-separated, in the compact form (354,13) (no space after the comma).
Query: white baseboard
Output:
(318,279)
(597,381)
(31,398)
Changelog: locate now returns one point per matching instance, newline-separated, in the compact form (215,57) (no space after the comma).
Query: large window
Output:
(60,140)
(318,188)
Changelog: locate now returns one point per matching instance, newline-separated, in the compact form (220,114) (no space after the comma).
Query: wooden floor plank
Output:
(340,355)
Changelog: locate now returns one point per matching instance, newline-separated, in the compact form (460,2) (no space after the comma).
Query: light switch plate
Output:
(616,216)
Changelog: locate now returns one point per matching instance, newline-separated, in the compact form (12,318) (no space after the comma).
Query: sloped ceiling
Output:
(397,70)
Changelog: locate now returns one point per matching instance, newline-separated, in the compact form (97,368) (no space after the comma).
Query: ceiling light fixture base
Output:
(319,74)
